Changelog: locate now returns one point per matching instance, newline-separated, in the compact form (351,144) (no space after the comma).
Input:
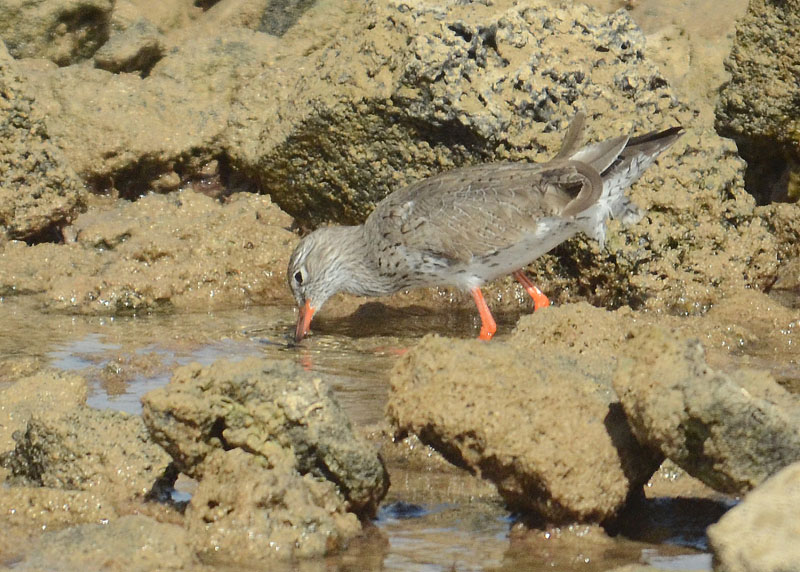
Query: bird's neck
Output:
(358,265)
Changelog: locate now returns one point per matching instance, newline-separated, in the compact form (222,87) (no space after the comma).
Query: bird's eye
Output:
(298,277)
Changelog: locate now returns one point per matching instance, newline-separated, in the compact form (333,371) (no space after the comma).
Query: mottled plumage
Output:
(468,226)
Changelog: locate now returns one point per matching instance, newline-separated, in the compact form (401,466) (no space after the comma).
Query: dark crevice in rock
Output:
(216,432)
(85,21)
(49,234)
(205,4)
(768,175)
(157,175)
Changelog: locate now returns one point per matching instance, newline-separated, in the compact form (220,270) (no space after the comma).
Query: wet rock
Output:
(136,49)
(545,428)
(108,452)
(758,107)
(731,431)
(39,191)
(251,509)
(184,251)
(135,543)
(64,31)
(34,509)
(44,393)
(262,406)
(761,532)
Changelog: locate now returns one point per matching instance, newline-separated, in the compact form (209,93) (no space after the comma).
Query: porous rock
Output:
(545,428)
(761,532)
(730,430)
(47,392)
(108,452)
(758,107)
(260,406)
(39,191)
(180,251)
(251,509)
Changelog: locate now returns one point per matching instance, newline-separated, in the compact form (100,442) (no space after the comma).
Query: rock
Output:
(250,509)
(135,543)
(262,406)
(121,131)
(106,452)
(758,107)
(167,16)
(63,31)
(545,428)
(182,251)
(40,508)
(39,191)
(761,532)
(787,286)
(136,49)
(731,431)
(43,393)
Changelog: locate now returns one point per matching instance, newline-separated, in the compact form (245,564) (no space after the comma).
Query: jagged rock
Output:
(758,107)
(39,191)
(731,431)
(108,452)
(250,509)
(546,428)
(262,406)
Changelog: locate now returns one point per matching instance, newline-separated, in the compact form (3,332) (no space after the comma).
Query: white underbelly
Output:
(549,233)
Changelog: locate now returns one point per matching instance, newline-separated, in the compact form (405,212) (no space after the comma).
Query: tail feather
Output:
(634,156)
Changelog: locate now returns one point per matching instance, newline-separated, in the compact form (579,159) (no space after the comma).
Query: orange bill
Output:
(304,321)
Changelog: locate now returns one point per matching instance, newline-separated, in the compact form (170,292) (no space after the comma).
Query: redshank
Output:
(468,226)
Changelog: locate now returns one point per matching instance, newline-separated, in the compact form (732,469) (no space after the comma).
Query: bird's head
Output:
(317,270)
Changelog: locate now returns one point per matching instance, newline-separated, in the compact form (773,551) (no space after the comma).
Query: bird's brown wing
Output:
(475,211)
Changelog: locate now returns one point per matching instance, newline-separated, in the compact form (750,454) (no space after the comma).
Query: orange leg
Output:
(488,325)
(539,298)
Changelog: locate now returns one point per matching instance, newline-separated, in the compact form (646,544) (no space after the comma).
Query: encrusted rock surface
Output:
(759,107)
(87,449)
(760,533)
(546,429)
(179,251)
(282,474)
(39,191)
(731,431)
(260,406)
(251,510)
(48,392)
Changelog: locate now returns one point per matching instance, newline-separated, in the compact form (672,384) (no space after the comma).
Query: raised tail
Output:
(620,162)
(635,158)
